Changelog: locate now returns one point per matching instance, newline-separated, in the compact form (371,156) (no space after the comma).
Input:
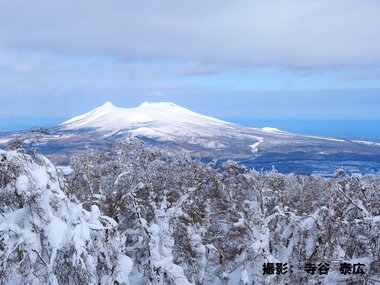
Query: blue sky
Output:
(272,58)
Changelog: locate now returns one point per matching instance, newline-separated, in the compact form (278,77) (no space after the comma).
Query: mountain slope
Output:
(171,127)
(162,121)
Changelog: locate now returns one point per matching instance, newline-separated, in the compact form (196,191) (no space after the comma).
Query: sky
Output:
(228,59)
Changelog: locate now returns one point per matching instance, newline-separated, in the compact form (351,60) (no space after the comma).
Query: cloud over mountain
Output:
(296,34)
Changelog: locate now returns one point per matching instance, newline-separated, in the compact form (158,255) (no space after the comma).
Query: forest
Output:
(134,214)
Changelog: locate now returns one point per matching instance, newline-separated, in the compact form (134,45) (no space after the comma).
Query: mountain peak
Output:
(169,105)
(107,105)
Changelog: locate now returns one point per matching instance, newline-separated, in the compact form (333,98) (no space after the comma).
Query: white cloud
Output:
(291,33)
(199,68)
(51,74)
(53,53)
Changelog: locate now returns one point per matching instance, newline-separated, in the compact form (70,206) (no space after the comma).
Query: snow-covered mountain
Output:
(109,117)
(162,121)
(172,127)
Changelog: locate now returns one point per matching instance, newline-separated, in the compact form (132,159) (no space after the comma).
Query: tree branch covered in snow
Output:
(45,238)
(181,221)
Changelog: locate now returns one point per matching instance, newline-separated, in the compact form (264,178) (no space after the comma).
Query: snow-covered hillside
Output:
(47,239)
(137,215)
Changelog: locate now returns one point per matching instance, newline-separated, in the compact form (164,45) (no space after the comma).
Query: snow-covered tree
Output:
(47,239)
(188,222)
